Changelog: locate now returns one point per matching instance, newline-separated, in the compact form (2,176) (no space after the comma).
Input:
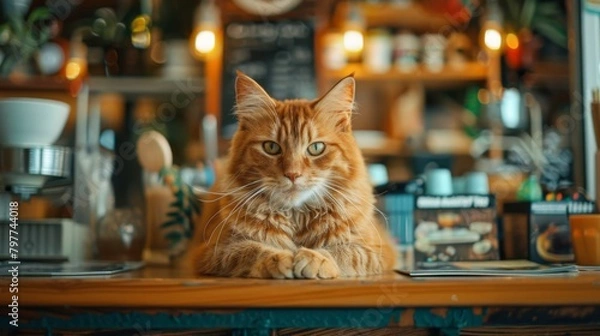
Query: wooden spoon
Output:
(154,152)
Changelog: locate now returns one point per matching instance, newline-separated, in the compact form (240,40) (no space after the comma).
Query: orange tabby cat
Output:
(294,200)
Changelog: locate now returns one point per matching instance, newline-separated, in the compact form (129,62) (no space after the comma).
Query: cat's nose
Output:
(292,176)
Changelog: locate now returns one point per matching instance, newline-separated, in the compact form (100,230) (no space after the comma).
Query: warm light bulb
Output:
(512,41)
(205,41)
(75,68)
(492,39)
(140,32)
(353,41)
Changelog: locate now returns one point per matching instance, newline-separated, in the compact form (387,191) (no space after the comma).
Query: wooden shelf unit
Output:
(38,83)
(379,91)
(395,148)
(147,85)
(469,72)
(413,16)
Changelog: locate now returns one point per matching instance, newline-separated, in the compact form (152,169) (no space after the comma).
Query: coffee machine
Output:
(36,167)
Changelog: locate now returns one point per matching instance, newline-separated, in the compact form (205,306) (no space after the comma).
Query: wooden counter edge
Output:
(391,291)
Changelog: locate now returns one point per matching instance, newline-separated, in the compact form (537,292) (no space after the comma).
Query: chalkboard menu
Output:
(278,55)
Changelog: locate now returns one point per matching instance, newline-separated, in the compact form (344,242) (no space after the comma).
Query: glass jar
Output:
(406,51)
(120,235)
(378,51)
(434,46)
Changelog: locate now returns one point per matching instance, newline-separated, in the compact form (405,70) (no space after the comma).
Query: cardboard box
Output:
(540,231)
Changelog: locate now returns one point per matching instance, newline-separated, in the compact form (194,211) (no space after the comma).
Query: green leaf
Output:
(164,171)
(174,236)
(527,12)
(28,47)
(18,26)
(195,206)
(170,223)
(549,9)
(39,14)
(514,12)
(7,65)
(176,204)
(553,30)
(5,33)
(40,35)
(174,214)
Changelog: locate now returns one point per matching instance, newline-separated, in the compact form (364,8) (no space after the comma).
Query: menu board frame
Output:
(279,55)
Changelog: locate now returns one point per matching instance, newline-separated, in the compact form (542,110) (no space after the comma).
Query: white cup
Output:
(378,174)
(439,182)
(477,183)
(378,51)
(434,46)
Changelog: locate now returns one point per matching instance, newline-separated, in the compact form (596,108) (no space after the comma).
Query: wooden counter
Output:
(173,299)
(176,288)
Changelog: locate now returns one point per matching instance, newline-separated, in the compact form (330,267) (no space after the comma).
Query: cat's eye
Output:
(316,148)
(271,147)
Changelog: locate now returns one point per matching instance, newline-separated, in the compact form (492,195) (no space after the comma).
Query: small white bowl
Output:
(30,122)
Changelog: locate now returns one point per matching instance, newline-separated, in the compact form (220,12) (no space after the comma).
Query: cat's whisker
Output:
(234,202)
(381,213)
(243,205)
(224,207)
(369,217)
(230,192)
(249,207)
(232,208)
(341,208)
(359,239)
(236,209)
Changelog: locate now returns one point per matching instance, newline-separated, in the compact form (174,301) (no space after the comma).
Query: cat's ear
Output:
(249,95)
(339,102)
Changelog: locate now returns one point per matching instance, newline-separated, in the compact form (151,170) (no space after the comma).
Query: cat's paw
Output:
(311,264)
(277,265)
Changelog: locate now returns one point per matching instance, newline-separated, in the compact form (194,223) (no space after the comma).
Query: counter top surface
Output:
(171,287)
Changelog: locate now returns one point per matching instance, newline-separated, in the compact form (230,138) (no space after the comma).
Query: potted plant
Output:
(525,19)
(21,37)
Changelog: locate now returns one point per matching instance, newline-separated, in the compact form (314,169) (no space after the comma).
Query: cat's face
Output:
(297,152)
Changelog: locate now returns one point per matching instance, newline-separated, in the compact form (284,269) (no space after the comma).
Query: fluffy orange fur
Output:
(294,199)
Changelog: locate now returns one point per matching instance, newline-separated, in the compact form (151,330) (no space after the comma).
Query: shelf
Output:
(414,17)
(388,147)
(124,85)
(396,149)
(38,84)
(470,72)
(147,85)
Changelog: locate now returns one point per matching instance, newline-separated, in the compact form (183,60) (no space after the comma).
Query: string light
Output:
(204,38)
(205,41)
(353,41)
(492,39)
(492,27)
(76,67)
(353,30)
(512,41)
(140,32)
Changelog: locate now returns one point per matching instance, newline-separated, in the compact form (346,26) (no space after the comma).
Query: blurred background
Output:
(467,85)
